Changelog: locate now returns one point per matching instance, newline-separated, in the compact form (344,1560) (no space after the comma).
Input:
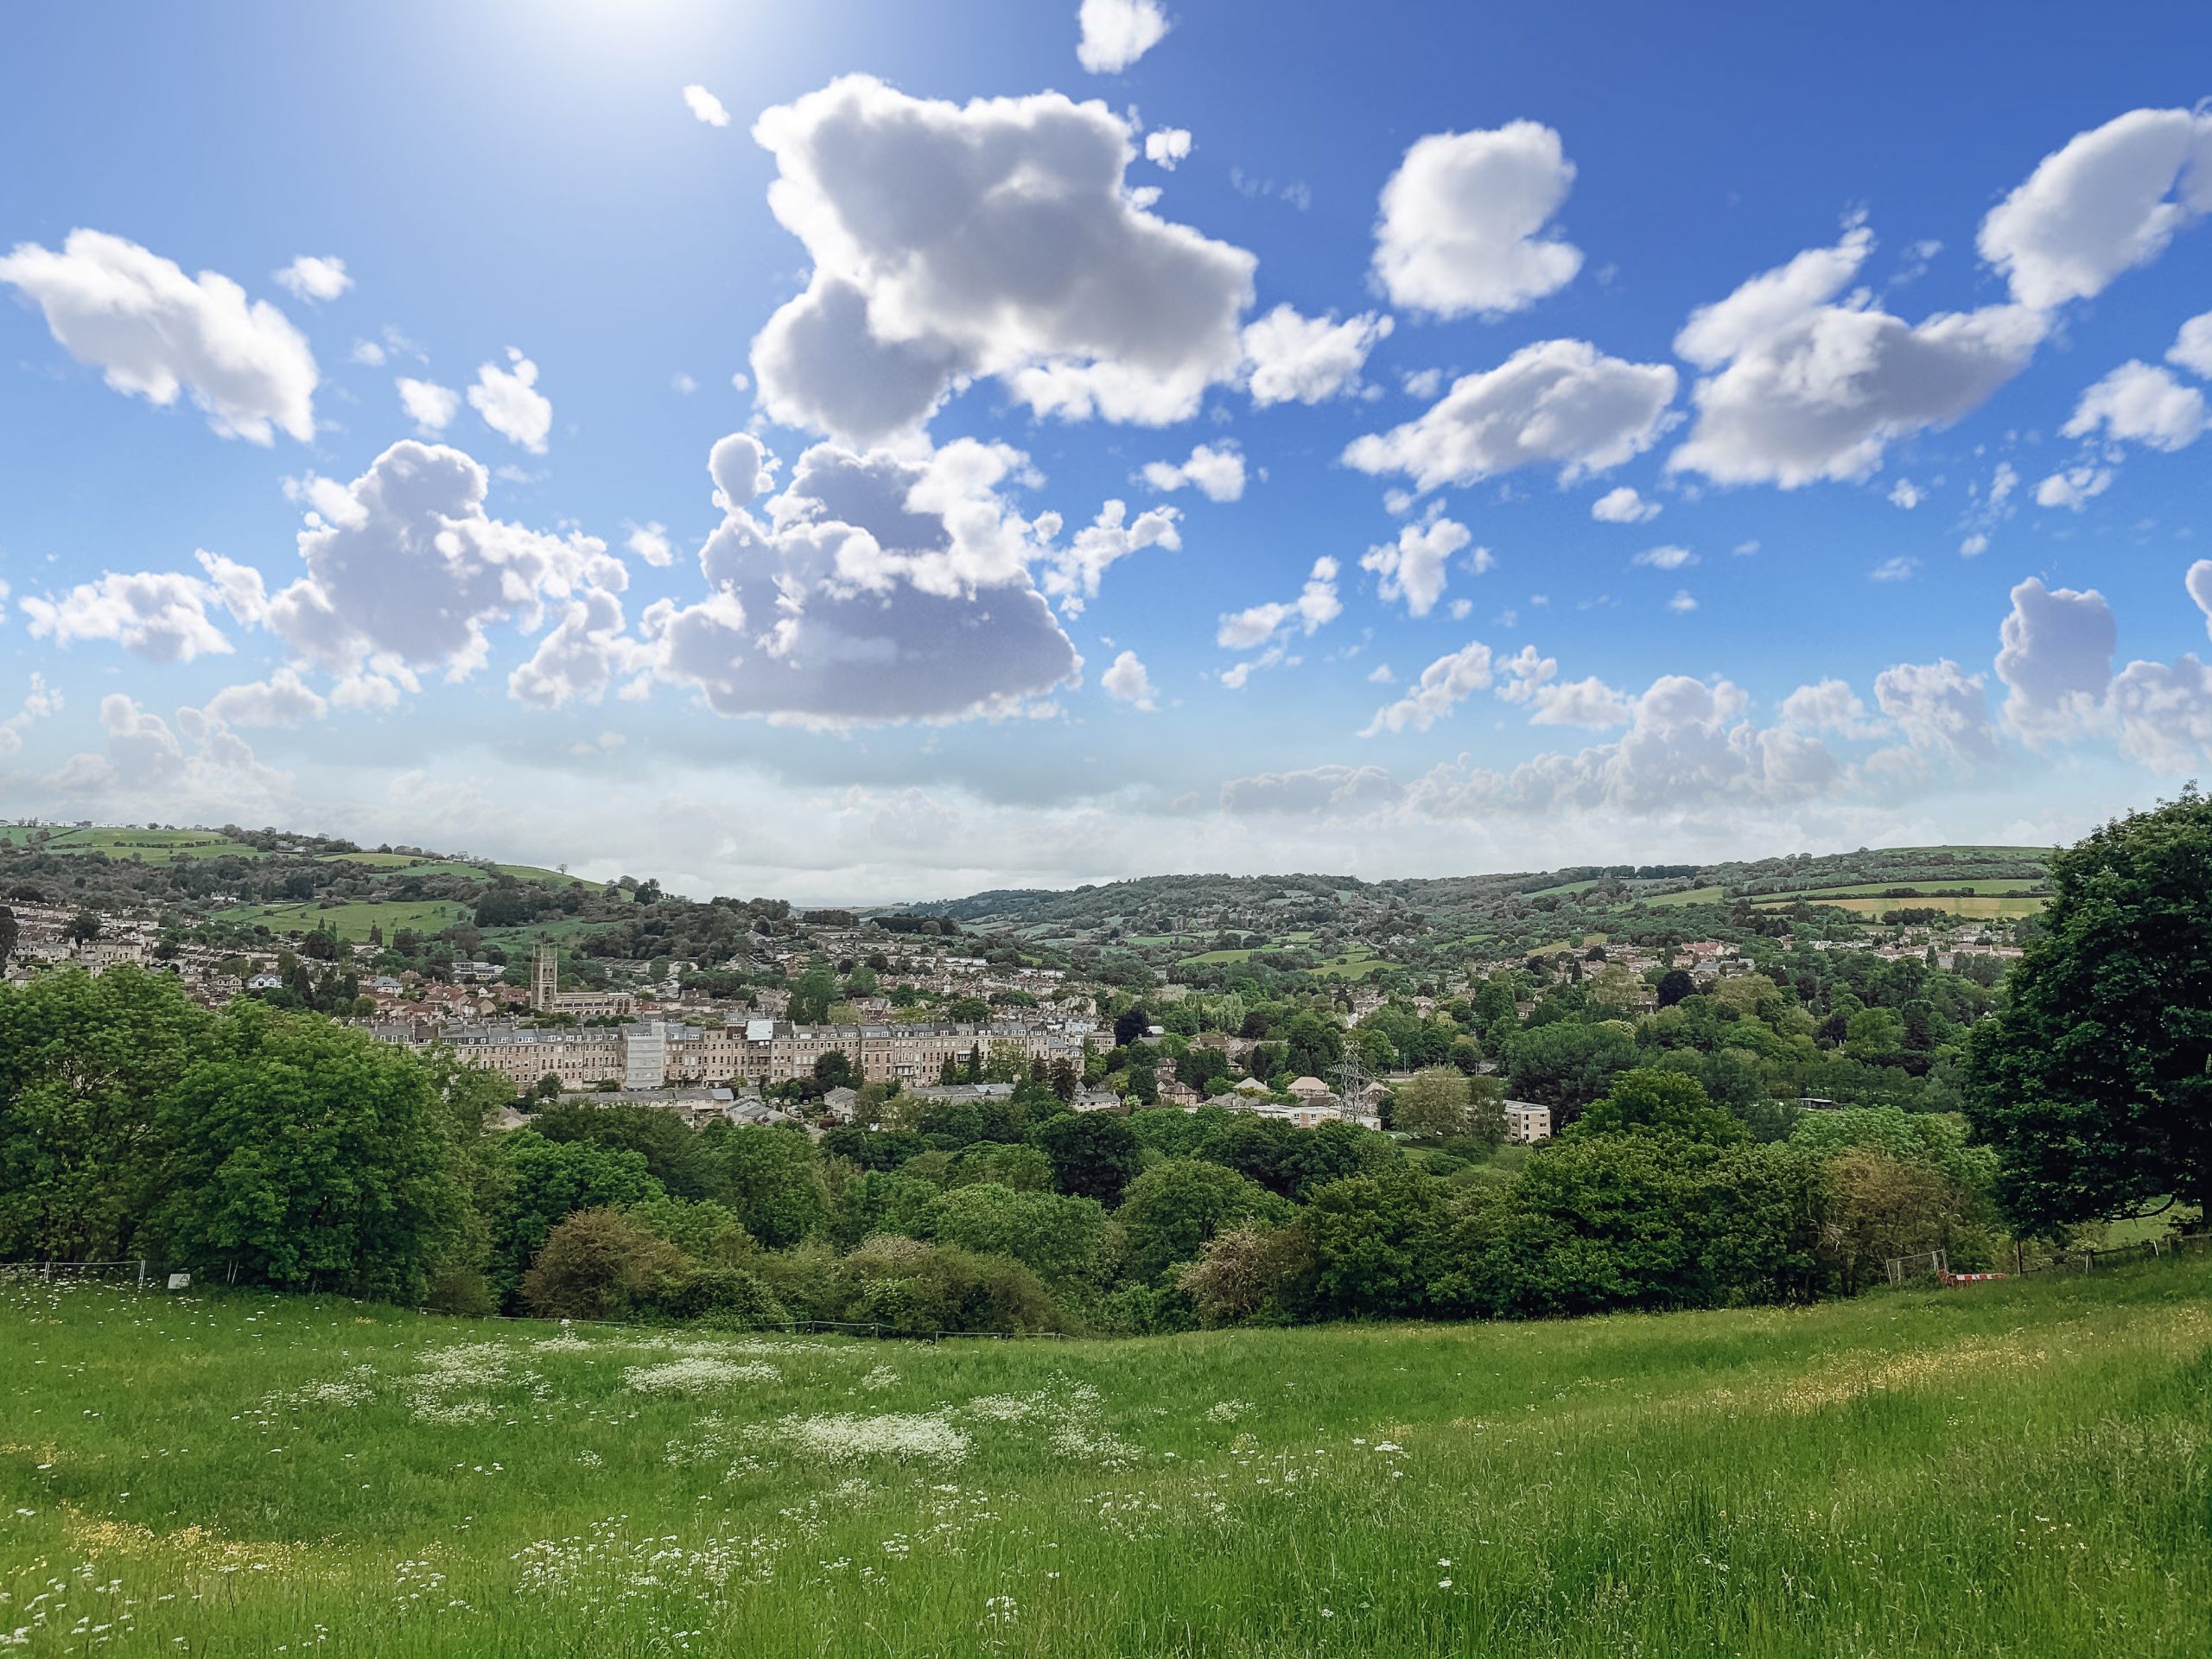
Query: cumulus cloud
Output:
(1126,681)
(1464,222)
(39,703)
(650,543)
(2108,200)
(1165,146)
(2192,347)
(1116,33)
(161,615)
(1688,744)
(1534,681)
(511,403)
(1215,471)
(314,278)
(405,567)
(1316,606)
(1939,708)
(2138,403)
(1293,358)
(580,655)
(145,758)
(2073,488)
(1667,557)
(283,699)
(1312,790)
(1559,403)
(2054,659)
(1413,567)
(704,106)
(1624,506)
(997,237)
(430,406)
(876,587)
(1443,686)
(1906,495)
(1829,706)
(153,331)
(1804,386)
(1072,573)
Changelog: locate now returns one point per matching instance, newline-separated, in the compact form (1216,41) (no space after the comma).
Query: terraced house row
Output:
(655,1053)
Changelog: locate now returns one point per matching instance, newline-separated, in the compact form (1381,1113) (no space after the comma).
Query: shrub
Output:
(600,1264)
(736,1298)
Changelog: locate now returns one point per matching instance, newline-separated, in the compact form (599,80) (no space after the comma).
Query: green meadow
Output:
(353,921)
(2017,1468)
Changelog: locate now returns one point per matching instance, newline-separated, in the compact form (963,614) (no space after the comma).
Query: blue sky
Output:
(1871,336)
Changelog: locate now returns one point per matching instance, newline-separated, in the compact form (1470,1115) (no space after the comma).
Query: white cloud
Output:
(1624,506)
(1443,686)
(1463,223)
(41,701)
(511,403)
(2073,489)
(993,239)
(1165,146)
(1587,702)
(2109,200)
(1216,472)
(314,278)
(430,406)
(368,353)
(1307,360)
(1312,789)
(405,568)
(579,655)
(650,542)
(2140,403)
(876,587)
(1906,494)
(1413,567)
(1898,568)
(705,105)
(1683,602)
(1316,606)
(681,383)
(1803,387)
(161,615)
(1938,706)
(2055,660)
(1126,681)
(1072,573)
(1381,674)
(1688,745)
(2192,347)
(1829,706)
(1116,33)
(1668,558)
(283,699)
(153,331)
(1559,402)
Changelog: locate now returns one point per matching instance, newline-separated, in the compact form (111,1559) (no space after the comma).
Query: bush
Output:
(600,1264)
(735,1298)
(914,1289)
(462,1291)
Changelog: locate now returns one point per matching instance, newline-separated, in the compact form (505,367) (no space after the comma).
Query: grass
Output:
(1997,884)
(1690,896)
(404,864)
(2017,1468)
(1980,909)
(145,846)
(353,921)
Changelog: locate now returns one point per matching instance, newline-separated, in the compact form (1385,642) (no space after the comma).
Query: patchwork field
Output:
(2018,1468)
(1979,908)
(352,921)
(147,846)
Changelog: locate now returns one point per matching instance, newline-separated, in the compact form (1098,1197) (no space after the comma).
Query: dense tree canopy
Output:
(2094,1084)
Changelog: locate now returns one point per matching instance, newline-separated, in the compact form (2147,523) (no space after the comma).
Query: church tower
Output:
(545,977)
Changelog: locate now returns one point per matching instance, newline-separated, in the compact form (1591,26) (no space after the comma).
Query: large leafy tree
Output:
(82,1061)
(301,1152)
(2094,1084)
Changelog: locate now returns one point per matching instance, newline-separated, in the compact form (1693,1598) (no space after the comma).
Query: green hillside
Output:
(2008,1469)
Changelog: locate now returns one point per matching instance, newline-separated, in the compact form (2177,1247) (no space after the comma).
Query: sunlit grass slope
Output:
(2014,1469)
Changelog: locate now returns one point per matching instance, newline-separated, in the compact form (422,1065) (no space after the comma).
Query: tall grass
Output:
(2013,1469)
